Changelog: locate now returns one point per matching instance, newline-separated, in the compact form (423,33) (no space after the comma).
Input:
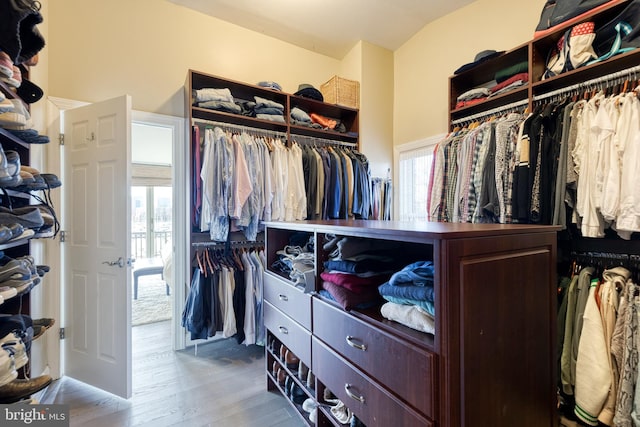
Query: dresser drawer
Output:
(288,299)
(367,399)
(291,334)
(402,367)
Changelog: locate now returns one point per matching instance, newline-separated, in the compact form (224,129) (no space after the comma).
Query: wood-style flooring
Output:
(224,385)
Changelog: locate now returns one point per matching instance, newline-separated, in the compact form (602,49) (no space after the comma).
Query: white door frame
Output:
(52,293)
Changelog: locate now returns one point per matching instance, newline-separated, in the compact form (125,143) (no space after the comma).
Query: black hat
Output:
(308,91)
(29,91)
(479,59)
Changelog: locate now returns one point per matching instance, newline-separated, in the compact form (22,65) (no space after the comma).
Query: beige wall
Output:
(423,64)
(99,50)
(102,49)
(376,108)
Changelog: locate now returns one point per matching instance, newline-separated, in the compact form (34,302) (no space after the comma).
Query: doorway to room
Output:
(151,195)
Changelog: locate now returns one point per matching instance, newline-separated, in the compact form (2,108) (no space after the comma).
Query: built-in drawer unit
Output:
(288,299)
(291,334)
(392,361)
(368,400)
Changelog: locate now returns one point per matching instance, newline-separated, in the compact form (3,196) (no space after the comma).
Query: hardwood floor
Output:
(224,385)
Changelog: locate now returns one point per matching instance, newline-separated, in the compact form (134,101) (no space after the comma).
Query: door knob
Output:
(119,262)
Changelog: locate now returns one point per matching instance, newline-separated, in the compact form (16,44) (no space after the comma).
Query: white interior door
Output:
(97,152)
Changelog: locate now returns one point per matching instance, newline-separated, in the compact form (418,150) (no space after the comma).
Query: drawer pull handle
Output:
(283,329)
(347,389)
(283,297)
(355,345)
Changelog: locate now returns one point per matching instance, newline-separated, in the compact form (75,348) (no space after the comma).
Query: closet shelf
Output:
(610,66)
(292,374)
(14,244)
(236,119)
(321,133)
(515,95)
(599,15)
(299,410)
(241,91)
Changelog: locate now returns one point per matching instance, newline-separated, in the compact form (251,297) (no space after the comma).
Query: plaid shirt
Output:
(506,135)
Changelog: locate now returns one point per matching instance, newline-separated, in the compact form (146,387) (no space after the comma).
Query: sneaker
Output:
(16,229)
(15,269)
(309,405)
(341,413)
(28,217)
(12,344)
(5,234)
(5,176)
(13,166)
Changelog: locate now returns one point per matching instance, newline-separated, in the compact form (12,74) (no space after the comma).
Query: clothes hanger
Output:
(200,266)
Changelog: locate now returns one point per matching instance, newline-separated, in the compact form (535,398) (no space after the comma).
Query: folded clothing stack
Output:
(265,109)
(297,260)
(410,296)
(355,270)
(216,99)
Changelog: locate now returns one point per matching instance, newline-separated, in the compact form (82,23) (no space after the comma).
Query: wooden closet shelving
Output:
(536,52)
(490,361)
(297,319)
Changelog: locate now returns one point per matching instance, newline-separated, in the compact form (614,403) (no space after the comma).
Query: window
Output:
(414,168)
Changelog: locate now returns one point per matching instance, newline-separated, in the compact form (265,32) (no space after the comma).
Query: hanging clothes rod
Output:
(500,109)
(232,243)
(609,77)
(248,129)
(314,140)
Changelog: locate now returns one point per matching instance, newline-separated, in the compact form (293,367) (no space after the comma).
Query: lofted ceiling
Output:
(330,27)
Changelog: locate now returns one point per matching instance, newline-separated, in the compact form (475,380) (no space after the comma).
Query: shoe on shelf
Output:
(13,167)
(341,413)
(297,394)
(14,323)
(303,371)
(311,380)
(28,217)
(20,388)
(45,322)
(5,234)
(8,371)
(13,345)
(281,376)
(309,405)
(16,230)
(291,359)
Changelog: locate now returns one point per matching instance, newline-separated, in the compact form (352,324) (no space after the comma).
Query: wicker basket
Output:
(341,91)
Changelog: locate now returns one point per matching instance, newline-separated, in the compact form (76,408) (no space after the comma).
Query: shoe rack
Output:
(25,385)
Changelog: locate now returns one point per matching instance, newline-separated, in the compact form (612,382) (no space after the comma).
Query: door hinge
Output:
(62,333)
(61,139)
(63,236)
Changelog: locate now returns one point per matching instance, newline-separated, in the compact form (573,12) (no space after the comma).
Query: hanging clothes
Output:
(225,296)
